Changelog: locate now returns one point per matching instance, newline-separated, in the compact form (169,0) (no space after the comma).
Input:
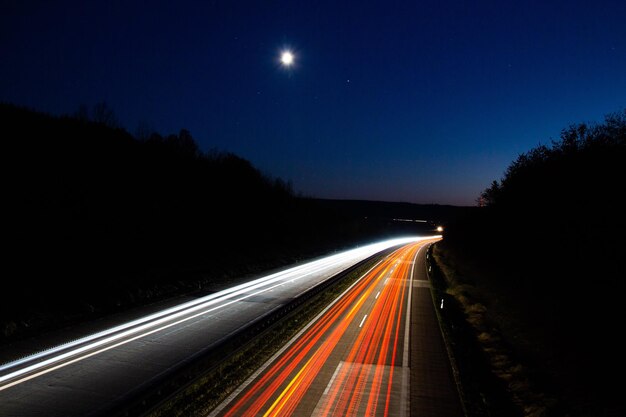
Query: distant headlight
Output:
(439,229)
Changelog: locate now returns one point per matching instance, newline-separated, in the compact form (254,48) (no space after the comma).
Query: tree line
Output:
(549,241)
(565,199)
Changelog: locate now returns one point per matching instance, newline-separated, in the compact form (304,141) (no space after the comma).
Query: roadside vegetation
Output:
(538,274)
(492,381)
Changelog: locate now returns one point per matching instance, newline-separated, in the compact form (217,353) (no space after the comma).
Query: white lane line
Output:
(363,321)
(332,379)
(376,298)
(386,281)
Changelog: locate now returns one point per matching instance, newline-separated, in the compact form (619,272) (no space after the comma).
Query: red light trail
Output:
(347,362)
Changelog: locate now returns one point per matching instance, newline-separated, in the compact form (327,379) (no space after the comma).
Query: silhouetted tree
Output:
(104,114)
(490,195)
(143,131)
(544,174)
(82,113)
(183,144)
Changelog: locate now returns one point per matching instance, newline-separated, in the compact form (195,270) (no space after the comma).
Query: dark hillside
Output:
(432,213)
(390,218)
(96,220)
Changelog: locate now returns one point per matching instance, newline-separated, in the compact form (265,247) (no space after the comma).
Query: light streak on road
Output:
(354,350)
(48,360)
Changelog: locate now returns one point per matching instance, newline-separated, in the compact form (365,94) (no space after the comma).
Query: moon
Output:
(287,58)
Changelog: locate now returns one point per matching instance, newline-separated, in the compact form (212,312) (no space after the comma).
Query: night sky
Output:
(417,101)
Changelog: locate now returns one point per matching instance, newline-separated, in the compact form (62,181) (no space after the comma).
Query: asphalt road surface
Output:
(376,351)
(89,375)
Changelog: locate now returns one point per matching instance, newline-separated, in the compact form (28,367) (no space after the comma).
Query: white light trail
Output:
(50,359)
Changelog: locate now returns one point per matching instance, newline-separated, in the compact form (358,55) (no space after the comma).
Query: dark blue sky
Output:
(418,101)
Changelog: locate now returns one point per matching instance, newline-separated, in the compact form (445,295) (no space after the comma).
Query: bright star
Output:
(286,58)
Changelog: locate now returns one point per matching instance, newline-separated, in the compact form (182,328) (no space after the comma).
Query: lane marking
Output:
(332,379)
(339,404)
(363,321)
(376,298)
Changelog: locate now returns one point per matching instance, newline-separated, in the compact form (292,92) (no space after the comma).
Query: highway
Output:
(89,375)
(362,355)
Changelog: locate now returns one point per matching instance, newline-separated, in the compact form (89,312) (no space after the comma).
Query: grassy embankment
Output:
(477,327)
